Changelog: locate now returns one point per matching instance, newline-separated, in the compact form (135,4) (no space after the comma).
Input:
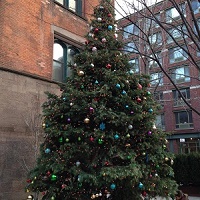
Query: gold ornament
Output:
(81,73)
(86,120)
(93,196)
(166,159)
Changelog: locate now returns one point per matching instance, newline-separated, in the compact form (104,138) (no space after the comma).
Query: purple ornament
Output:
(91,110)
(149,132)
(68,120)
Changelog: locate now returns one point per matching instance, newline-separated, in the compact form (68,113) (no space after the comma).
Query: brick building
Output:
(147,32)
(37,40)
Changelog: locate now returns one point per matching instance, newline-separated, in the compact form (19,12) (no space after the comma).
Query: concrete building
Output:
(37,40)
(156,39)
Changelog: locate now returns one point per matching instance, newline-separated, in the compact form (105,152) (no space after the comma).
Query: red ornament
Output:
(63,186)
(28,180)
(109,15)
(108,66)
(86,42)
(48,173)
(139,100)
(96,30)
(139,86)
(91,139)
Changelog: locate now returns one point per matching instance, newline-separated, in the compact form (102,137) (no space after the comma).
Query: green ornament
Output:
(52,198)
(79,138)
(60,139)
(53,177)
(148,93)
(82,86)
(100,141)
(129,157)
(67,139)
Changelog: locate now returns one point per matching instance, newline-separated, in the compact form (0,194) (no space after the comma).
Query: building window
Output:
(189,145)
(172,13)
(158,96)
(156,79)
(131,47)
(177,54)
(155,39)
(180,74)
(178,101)
(183,119)
(151,22)
(177,33)
(130,30)
(62,55)
(154,62)
(73,5)
(195,6)
(160,121)
(135,65)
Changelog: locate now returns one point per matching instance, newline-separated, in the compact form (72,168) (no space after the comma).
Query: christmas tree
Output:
(101,141)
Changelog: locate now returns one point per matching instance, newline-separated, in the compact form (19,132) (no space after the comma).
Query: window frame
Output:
(177,99)
(186,77)
(136,67)
(173,52)
(154,82)
(197,10)
(78,6)
(132,30)
(66,72)
(183,125)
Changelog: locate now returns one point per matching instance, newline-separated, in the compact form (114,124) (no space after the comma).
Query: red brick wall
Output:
(26,39)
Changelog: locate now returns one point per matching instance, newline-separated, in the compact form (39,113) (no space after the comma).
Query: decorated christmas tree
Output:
(100,138)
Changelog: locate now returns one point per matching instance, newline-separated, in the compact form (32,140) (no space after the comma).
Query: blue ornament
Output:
(140,185)
(110,27)
(64,98)
(123,92)
(127,106)
(131,72)
(102,126)
(47,150)
(96,82)
(117,85)
(112,186)
(150,110)
(116,136)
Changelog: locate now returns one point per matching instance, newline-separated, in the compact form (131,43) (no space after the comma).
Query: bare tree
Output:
(180,28)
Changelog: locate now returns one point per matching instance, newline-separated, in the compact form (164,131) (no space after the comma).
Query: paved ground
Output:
(190,198)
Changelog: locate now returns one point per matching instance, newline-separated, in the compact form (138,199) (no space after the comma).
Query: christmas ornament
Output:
(103,40)
(117,85)
(116,136)
(150,110)
(166,159)
(116,35)
(108,66)
(130,126)
(94,49)
(140,185)
(172,162)
(109,15)
(91,110)
(47,150)
(148,93)
(60,139)
(79,139)
(96,30)
(102,126)
(139,86)
(110,27)
(126,106)
(128,135)
(154,126)
(53,177)
(78,163)
(92,65)
(91,139)
(99,19)
(71,104)
(52,198)
(100,141)
(112,186)
(139,100)
(68,120)
(149,132)
(86,120)
(93,196)
(81,73)
(123,92)
(131,72)
(96,82)
(67,139)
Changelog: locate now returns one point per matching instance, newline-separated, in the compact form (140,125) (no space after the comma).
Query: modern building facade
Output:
(164,43)
(37,40)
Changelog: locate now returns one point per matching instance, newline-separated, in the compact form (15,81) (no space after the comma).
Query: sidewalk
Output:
(190,198)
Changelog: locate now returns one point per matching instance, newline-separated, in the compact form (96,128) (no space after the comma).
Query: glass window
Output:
(160,121)
(74,5)
(177,33)
(155,39)
(180,74)
(129,30)
(154,63)
(195,6)
(184,119)
(158,96)
(178,101)
(135,65)
(62,55)
(177,54)
(189,145)
(151,22)
(156,79)
(130,47)
(173,14)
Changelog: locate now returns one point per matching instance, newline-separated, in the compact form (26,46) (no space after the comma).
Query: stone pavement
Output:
(190,198)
